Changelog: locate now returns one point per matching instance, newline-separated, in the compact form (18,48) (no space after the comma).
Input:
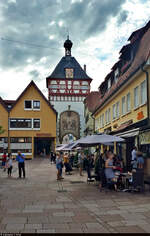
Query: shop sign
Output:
(43,134)
(144,138)
(140,115)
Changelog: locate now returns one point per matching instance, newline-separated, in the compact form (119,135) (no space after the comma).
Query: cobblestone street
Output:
(36,204)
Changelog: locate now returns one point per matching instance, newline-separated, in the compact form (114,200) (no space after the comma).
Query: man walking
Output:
(21,164)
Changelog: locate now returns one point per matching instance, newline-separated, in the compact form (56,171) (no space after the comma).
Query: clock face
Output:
(69,73)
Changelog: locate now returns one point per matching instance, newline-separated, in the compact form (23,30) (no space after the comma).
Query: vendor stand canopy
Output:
(94,140)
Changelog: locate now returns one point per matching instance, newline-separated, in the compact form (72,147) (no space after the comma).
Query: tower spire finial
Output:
(68,45)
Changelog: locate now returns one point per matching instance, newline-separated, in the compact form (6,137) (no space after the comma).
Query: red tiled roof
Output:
(92,100)
(141,57)
(3,104)
(9,102)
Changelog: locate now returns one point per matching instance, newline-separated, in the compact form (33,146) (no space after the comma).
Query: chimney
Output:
(85,68)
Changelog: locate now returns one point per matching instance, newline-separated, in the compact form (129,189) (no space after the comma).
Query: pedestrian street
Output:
(41,204)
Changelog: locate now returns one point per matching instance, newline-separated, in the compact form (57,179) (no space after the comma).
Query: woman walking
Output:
(59,166)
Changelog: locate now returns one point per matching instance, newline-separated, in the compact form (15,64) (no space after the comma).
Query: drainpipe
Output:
(8,133)
(147,84)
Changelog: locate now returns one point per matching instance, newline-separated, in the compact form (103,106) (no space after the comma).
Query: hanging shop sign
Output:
(144,138)
(140,115)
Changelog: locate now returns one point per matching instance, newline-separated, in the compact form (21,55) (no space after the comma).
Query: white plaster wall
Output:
(74,106)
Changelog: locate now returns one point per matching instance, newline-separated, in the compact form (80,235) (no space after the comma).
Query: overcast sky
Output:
(32,33)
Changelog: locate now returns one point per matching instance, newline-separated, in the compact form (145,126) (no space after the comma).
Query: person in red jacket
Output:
(4,159)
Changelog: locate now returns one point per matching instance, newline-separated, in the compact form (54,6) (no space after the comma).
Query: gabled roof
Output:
(3,104)
(140,59)
(92,100)
(68,62)
(39,91)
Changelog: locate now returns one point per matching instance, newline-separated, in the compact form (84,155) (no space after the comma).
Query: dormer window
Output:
(116,74)
(109,84)
(69,73)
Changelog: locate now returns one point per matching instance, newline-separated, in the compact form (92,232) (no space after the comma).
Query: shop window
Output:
(36,104)
(28,104)
(21,140)
(36,123)
(22,151)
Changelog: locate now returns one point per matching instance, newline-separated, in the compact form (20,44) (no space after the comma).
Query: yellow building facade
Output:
(30,124)
(121,108)
(124,106)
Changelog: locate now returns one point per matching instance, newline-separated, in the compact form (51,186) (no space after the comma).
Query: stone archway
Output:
(69,124)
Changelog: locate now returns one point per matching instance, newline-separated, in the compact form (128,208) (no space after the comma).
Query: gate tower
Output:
(68,85)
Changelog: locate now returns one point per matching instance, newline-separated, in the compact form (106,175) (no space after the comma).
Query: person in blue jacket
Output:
(21,164)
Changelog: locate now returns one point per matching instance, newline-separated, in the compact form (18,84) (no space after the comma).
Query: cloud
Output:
(33,22)
(122,17)
(92,24)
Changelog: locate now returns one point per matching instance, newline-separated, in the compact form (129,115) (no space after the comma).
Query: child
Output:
(9,165)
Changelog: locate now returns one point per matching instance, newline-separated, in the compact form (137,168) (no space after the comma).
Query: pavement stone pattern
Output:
(34,205)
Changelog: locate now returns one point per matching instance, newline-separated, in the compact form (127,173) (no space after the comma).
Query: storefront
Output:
(144,145)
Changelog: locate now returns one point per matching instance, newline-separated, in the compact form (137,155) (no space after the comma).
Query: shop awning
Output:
(129,133)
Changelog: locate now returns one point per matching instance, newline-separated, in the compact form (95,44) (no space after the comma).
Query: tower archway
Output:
(69,124)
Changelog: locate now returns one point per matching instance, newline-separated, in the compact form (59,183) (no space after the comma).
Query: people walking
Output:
(80,161)
(4,159)
(59,166)
(88,166)
(21,164)
(100,171)
(9,165)
(67,164)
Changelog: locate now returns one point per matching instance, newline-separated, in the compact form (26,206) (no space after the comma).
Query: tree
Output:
(1,130)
